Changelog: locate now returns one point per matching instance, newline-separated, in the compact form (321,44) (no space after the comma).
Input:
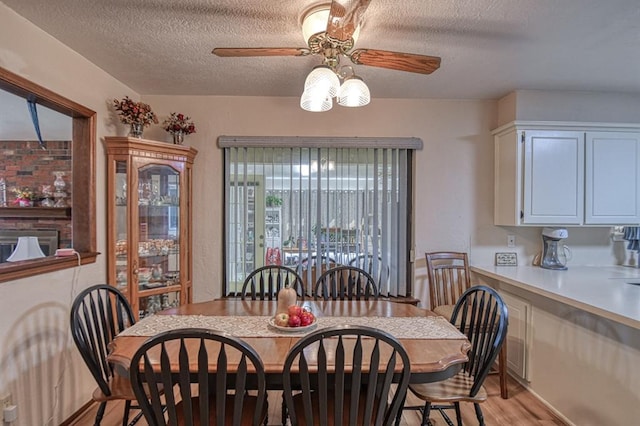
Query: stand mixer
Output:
(554,256)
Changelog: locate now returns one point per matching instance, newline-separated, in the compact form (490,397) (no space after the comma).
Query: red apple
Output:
(294,310)
(306,318)
(281,320)
(294,321)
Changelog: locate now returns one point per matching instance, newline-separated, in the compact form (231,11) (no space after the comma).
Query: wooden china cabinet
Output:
(149,222)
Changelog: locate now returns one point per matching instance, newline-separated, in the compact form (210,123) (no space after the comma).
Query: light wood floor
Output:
(521,409)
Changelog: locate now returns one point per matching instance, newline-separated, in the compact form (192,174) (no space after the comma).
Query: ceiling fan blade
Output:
(344,18)
(396,60)
(259,51)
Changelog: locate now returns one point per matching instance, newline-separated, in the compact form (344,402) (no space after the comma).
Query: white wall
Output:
(454,178)
(546,105)
(38,362)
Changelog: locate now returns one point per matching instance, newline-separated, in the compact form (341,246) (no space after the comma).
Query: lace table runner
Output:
(432,327)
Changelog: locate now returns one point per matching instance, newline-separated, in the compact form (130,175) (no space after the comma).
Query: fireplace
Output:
(47,239)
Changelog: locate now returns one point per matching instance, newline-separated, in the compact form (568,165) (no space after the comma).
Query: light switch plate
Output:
(506,259)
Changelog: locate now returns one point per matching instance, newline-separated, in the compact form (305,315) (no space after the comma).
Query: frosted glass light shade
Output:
(354,93)
(316,22)
(27,248)
(324,80)
(315,101)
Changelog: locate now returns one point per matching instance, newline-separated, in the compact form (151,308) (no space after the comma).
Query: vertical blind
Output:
(305,206)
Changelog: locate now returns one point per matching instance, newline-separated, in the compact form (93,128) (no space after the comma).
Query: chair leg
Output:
(502,371)
(284,411)
(136,418)
(125,416)
(425,414)
(479,414)
(100,413)
(399,415)
(456,406)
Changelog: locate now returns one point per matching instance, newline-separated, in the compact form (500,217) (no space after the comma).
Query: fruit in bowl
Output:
(300,317)
(295,316)
(306,318)
(281,320)
(294,321)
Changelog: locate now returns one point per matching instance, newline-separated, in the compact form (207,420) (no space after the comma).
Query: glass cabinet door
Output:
(122,230)
(158,235)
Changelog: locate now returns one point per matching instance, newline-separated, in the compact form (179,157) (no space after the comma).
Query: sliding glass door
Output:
(318,205)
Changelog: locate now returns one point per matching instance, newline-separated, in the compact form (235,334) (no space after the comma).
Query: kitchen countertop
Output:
(602,290)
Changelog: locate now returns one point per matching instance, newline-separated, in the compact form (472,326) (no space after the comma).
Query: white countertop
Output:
(601,290)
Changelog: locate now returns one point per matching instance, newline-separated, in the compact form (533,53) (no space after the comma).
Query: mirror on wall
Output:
(39,173)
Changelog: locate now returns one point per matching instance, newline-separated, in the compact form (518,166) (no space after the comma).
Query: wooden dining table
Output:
(435,355)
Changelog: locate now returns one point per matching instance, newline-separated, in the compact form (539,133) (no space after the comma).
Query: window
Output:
(321,203)
(83,222)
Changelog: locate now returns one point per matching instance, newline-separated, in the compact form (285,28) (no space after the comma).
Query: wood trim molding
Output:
(10,271)
(83,209)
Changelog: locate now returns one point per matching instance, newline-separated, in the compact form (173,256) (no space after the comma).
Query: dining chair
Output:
(449,277)
(265,282)
(481,315)
(215,378)
(345,283)
(368,263)
(98,314)
(345,372)
(310,268)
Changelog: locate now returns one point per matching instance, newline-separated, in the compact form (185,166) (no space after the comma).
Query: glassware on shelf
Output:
(3,192)
(47,193)
(61,199)
(60,195)
(59,183)
(156,271)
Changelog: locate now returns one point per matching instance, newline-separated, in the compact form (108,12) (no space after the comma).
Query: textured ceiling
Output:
(488,47)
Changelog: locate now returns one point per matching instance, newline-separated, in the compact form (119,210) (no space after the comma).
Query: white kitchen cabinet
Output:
(566,174)
(612,186)
(518,335)
(553,184)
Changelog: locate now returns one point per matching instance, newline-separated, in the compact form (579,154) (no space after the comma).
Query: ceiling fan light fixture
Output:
(315,21)
(354,92)
(315,101)
(323,79)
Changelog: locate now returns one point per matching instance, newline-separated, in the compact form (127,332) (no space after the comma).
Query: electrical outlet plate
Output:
(5,401)
(511,241)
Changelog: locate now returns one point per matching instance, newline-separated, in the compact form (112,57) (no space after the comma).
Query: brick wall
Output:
(26,164)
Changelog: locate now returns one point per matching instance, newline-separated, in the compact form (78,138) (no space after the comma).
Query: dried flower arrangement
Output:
(178,122)
(134,112)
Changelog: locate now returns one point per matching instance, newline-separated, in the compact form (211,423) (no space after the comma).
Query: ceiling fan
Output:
(337,39)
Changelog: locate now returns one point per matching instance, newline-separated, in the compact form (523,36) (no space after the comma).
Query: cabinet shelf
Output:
(35,212)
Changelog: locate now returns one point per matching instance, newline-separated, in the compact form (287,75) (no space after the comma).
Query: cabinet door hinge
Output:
(522,137)
(521,214)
